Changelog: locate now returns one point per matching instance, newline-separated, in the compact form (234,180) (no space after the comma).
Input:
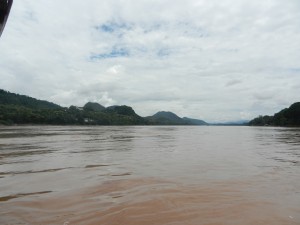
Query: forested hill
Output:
(166,118)
(7,98)
(286,117)
(21,109)
(169,118)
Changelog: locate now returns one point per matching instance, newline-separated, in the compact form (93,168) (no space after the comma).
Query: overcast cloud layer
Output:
(208,59)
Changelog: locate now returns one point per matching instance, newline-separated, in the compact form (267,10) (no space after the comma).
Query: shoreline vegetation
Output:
(18,109)
(288,117)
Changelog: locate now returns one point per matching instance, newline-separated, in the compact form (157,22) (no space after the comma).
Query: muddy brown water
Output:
(149,175)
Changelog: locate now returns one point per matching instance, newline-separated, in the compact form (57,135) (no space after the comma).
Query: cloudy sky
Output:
(208,59)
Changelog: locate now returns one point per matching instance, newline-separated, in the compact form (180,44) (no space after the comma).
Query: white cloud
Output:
(214,60)
(114,70)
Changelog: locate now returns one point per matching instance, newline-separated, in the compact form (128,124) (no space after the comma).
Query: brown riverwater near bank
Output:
(149,201)
(149,175)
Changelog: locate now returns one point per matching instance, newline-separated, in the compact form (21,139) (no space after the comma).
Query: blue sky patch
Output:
(115,53)
(294,70)
(163,52)
(106,28)
(111,27)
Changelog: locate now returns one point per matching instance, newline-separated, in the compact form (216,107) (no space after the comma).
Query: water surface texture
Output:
(149,175)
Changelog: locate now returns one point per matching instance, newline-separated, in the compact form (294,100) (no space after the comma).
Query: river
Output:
(149,175)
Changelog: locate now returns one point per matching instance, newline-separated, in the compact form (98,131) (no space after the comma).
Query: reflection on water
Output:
(149,175)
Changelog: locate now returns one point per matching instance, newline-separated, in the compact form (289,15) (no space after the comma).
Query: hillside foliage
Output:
(21,109)
(286,117)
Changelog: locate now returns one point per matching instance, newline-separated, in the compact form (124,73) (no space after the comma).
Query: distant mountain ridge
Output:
(164,118)
(21,109)
(167,118)
(232,123)
(194,121)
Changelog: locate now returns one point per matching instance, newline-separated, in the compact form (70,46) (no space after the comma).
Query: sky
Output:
(214,60)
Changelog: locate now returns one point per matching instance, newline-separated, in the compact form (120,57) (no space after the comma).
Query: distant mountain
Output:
(194,121)
(7,98)
(170,118)
(232,123)
(165,118)
(286,117)
(239,122)
(93,106)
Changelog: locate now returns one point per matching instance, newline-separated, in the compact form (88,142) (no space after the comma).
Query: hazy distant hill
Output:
(194,121)
(165,118)
(169,118)
(286,117)
(232,123)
